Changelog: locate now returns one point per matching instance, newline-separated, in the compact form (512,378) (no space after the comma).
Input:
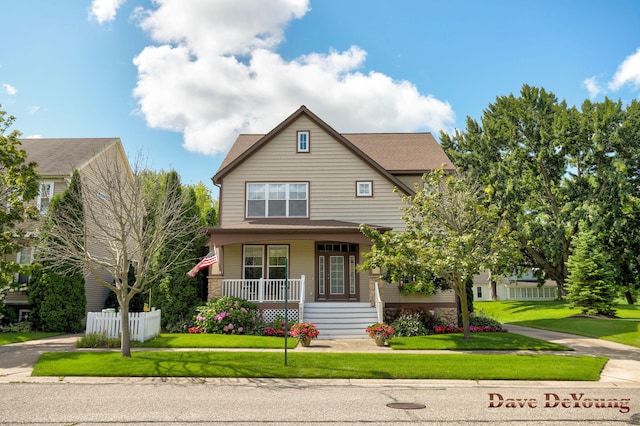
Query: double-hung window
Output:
(277,199)
(44,196)
(265,261)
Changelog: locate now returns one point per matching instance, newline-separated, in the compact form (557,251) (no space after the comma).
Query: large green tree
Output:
(18,189)
(549,167)
(453,231)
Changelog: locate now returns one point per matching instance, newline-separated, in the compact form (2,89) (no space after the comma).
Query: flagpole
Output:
(286,307)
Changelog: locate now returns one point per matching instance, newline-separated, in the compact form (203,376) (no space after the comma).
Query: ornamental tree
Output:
(452,230)
(121,228)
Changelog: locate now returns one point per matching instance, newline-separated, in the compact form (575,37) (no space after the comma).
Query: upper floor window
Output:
(303,141)
(277,200)
(44,197)
(364,189)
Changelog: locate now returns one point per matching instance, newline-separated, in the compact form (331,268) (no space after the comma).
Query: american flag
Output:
(208,260)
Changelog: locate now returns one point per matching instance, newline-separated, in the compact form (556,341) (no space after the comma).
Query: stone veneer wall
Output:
(214,287)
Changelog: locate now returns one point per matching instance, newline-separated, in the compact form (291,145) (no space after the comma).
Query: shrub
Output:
(57,301)
(483,321)
(427,317)
(97,340)
(228,315)
(17,327)
(409,325)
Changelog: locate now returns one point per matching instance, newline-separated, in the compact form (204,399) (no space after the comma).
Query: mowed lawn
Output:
(8,338)
(557,316)
(315,365)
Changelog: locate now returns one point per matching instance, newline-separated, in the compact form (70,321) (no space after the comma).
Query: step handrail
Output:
(379,303)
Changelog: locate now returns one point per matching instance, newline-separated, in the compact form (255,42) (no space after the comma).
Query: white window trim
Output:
(51,192)
(265,253)
(287,200)
(368,184)
(307,147)
(244,256)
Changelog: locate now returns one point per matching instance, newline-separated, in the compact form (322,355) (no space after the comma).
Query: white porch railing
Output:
(379,304)
(142,325)
(264,290)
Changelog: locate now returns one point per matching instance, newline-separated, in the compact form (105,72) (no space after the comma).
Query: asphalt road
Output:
(283,402)
(27,400)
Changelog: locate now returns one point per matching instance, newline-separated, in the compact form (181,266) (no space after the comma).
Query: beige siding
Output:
(392,295)
(331,170)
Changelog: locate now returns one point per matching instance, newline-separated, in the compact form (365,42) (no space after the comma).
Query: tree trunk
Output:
(125,342)
(493,287)
(629,296)
(464,309)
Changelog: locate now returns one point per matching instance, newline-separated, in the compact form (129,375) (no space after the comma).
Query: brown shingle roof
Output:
(389,153)
(402,152)
(60,156)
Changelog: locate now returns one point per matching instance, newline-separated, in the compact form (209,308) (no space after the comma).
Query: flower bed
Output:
(441,329)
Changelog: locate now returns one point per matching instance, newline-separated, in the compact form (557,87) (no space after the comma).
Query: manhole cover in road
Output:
(406,406)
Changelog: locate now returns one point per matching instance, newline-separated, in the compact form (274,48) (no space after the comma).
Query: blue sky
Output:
(177,80)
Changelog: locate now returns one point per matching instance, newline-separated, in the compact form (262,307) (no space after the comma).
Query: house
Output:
(291,202)
(516,287)
(56,161)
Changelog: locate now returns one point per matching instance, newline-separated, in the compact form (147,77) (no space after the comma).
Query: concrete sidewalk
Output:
(17,360)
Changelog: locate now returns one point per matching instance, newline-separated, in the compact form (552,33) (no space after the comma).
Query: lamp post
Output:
(286,307)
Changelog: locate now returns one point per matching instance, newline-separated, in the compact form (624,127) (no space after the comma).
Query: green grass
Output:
(557,316)
(7,338)
(216,341)
(478,341)
(321,365)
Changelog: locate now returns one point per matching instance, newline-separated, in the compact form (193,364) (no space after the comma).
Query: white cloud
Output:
(33,109)
(628,72)
(215,72)
(104,10)
(592,86)
(10,89)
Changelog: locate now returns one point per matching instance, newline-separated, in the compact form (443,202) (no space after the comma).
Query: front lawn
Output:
(557,316)
(478,341)
(316,365)
(204,340)
(7,338)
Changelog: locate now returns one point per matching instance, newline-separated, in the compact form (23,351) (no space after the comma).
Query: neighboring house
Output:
(291,202)
(56,160)
(523,287)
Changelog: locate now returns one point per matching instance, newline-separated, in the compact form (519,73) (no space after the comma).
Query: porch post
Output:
(261,290)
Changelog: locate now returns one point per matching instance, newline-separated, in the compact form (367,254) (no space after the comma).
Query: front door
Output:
(336,272)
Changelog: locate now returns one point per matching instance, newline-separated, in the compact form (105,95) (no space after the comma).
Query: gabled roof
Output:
(388,153)
(60,156)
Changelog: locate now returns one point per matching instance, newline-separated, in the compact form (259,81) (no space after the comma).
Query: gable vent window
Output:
(277,199)
(303,141)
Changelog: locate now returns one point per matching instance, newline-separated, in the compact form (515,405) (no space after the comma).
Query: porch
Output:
(335,320)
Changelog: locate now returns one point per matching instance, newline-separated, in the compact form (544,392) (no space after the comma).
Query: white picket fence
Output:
(142,325)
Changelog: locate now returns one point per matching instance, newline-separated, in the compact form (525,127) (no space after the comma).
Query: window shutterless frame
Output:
(303,141)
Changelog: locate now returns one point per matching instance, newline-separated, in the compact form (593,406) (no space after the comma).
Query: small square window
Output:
(303,141)
(364,189)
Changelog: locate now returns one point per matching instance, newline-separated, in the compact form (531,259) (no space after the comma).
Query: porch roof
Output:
(290,229)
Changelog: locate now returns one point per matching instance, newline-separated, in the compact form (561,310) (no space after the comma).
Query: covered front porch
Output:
(335,320)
